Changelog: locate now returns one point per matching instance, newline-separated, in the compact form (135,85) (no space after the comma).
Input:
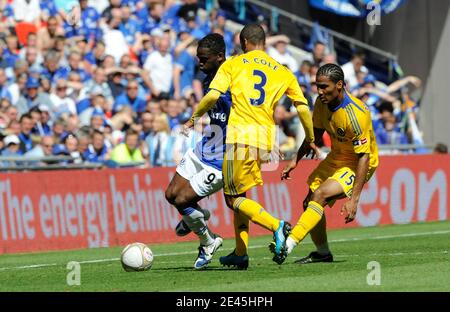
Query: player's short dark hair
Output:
(254,34)
(213,42)
(332,71)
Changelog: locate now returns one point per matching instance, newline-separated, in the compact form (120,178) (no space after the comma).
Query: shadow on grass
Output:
(191,269)
(312,263)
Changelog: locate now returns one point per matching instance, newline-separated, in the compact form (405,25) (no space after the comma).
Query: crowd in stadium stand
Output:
(113,82)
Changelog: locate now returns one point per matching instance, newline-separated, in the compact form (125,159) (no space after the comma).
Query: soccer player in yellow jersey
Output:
(257,82)
(351,162)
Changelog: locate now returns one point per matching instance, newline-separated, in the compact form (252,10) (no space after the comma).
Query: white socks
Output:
(290,244)
(321,249)
(196,222)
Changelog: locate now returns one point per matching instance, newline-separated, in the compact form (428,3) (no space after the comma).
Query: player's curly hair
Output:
(214,42)
(332,71)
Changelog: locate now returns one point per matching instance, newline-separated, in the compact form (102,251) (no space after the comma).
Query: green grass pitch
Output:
(412,257)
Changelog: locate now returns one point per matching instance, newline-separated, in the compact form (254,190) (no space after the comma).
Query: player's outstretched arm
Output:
(306,120)
(206,103)
(350,207)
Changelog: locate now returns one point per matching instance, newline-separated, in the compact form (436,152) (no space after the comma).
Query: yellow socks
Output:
(256,213)
(308,220)
(241,224)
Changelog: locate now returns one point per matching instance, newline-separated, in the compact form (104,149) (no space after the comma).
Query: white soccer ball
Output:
(136,257)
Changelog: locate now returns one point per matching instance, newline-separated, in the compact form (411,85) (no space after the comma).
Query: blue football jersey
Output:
(211,148)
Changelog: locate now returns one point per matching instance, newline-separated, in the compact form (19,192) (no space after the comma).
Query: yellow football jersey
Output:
(257,82)
(350,129)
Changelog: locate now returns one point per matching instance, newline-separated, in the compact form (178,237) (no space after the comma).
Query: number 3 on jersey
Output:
(260,87)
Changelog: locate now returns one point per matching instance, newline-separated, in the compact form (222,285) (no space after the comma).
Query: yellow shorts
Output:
(241,168)
(345,176)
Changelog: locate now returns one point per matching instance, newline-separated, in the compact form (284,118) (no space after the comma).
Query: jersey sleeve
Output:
(317,119)
(222,80)
(361,129)
(294,92)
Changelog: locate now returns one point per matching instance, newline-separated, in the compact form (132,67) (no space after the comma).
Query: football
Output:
(136,257)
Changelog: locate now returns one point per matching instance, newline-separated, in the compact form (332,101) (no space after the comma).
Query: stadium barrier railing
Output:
(24,163)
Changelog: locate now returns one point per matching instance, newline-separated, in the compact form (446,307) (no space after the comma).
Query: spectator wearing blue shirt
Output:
(210,22)
(306,89)
(387,131)
(130,97)
(190,24)
(130,27)
(48,8)
(8,13)
(74,66)
(151,16)
(35,113)
(33,97)
(10,54)
(88,26)
(147,48)
(173,113)
(51,70)
(97,55)
(184,71)
(147,125)
(4,92)
(97,151)
(115,82)
(170,16)
(26,125)
(42,126)
(89,15)
(3,61)
(60,150)
(132,4)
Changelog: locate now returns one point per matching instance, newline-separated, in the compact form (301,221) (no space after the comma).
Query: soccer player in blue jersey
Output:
(199,173)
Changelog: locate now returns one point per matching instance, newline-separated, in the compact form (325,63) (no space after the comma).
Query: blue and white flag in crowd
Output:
(355,8)
(416,135)
(340,7)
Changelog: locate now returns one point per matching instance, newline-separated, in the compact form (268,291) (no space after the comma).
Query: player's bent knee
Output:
(319,196)
(170,195)
(181,201)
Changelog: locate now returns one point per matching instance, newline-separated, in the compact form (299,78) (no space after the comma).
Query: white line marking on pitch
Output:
(443,252)
(351,239)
